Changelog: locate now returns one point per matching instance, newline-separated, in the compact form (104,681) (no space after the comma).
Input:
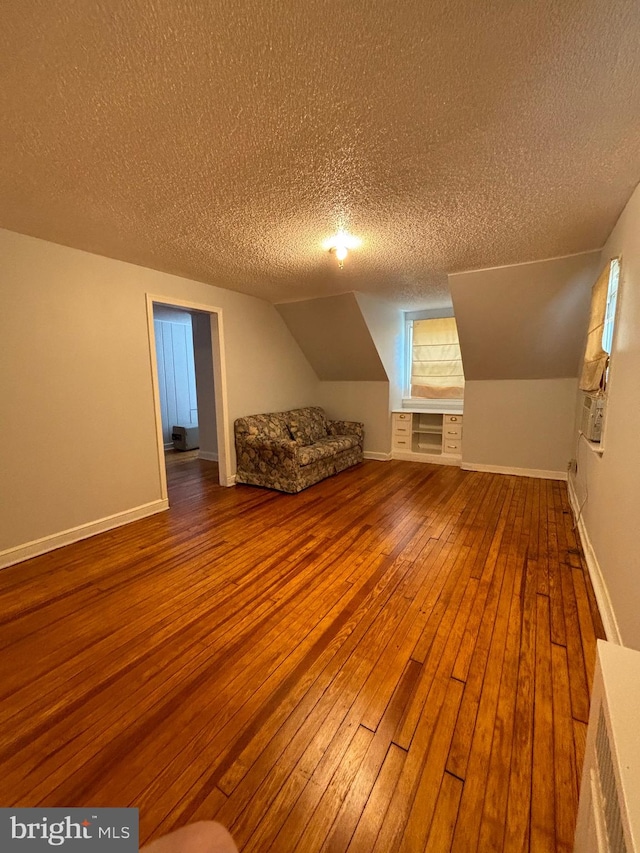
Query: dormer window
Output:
(604,297)
(610,309)
(598,350)
(433,360)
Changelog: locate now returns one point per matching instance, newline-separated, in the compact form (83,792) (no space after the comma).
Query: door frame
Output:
(219,379)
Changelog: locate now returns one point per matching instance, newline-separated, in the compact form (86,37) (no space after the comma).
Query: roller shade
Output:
(595,357)
(436,363)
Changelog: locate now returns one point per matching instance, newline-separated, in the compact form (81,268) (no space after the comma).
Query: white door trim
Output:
(219,381)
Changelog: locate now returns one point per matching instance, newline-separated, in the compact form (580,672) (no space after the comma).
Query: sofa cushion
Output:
(307,425)
(324,449)
(272,425)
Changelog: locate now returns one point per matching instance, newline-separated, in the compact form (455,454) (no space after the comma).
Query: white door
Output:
(176,375)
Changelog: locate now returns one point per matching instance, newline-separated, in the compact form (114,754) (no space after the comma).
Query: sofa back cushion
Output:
(307,425)
(272,425)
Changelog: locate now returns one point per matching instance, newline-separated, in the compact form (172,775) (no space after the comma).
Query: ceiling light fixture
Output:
(340,244)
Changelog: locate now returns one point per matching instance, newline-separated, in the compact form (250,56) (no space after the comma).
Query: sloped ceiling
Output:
(224,140)
(527,321)
(335,338)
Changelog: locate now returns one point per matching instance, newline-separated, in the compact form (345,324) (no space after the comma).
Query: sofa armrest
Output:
(271,450)
(346,428)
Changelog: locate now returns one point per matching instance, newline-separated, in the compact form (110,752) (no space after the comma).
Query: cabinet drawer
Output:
(401,418)
(402,430)
(454,448)
(452,432)
(400,443)
(452,419)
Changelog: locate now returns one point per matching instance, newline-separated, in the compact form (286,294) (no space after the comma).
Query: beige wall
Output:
(519,424)
(522,330)
(205,386)
(524,321)
(385,322)
(354,342)
(334,337)
(361,401)
(77,417)
(608,486)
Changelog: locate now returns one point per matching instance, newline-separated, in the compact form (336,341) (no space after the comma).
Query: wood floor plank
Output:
(467,646)
(352,808)
(391,832)
(518,820)
(587,628)
(578,682)
(315,811)
(558,629)
(155,822)
(337,718)
(580,743)
(474,766)
(406,637)
(564,759)
(375,810)
(492,580)
(418,824)
(390,660)
(327,701)
(442,649)
(494,813)
(543,773)
(190,709)
(446,814)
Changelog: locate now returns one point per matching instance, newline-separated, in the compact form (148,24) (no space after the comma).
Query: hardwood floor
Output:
(397,659)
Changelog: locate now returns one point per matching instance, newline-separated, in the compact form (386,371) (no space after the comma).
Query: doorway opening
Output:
(189,381)
(175,359)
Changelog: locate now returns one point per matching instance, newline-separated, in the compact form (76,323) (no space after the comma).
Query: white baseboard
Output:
(605,606)
(518,472)
(74,534)
(231,481)
(380,457)
(426,458)
(207,455)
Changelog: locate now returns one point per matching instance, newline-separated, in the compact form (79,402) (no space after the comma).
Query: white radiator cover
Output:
(609,809)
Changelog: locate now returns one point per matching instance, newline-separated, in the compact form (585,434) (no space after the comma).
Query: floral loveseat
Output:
(291,450)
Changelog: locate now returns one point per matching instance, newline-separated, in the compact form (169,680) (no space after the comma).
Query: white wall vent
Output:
(609,809)
(605,778)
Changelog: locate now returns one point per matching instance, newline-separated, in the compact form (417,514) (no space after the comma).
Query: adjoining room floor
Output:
(396,659)
(172,458)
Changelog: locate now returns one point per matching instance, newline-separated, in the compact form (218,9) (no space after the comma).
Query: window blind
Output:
(595,357)
(610,311)
(436,362)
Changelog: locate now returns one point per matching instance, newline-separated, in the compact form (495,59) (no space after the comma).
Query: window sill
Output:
(443,405)
(594,446)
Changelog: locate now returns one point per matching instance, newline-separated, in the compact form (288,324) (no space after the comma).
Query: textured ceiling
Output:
(224,140)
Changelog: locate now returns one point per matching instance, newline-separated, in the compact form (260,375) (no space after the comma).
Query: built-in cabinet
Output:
(427,437)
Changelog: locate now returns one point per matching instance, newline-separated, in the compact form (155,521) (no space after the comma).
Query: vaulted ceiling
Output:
(224,140)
